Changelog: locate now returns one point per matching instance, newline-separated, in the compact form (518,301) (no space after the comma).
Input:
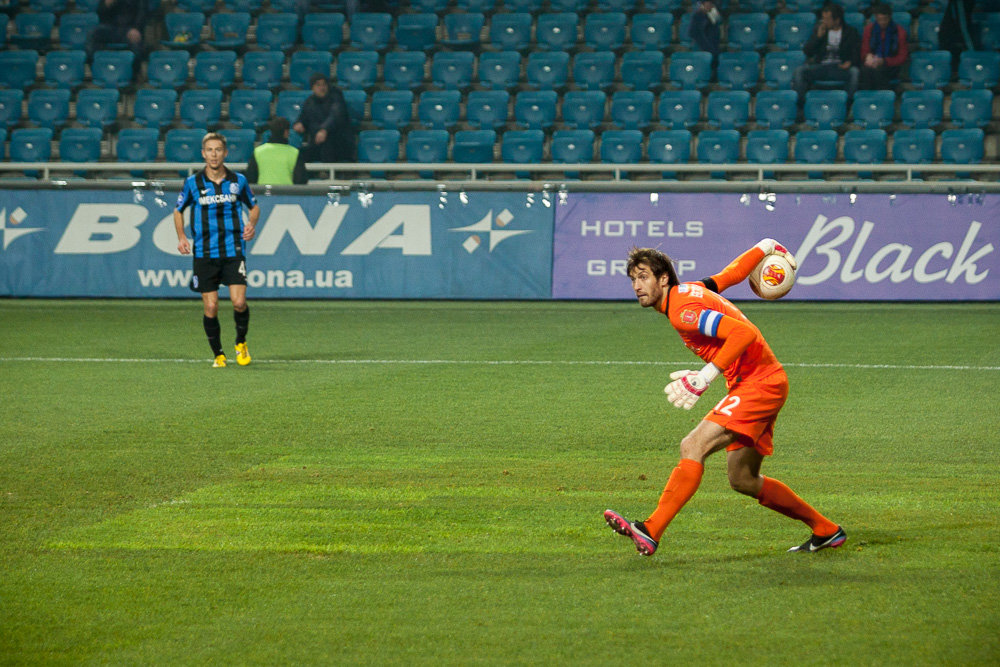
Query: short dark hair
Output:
(658,262)
(881,9)
(278,127)
(835,10)
(317,76)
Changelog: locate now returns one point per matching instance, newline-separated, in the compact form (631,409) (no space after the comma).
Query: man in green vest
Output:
(275,162)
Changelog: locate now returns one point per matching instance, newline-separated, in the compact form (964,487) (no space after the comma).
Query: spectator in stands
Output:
(705,28)
(326,124)
(120,22)
(832,54)
(883,50)
(275,162)
(956,33)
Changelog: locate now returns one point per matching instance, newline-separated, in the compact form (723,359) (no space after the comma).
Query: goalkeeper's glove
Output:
(688,386)
(772,247)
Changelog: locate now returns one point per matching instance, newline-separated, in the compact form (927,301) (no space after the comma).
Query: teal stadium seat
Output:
(250,108)
(592,70)
(913,146)
(747,31)
(200,108)
(652,31)
(921,108)
(767,147)
(427,146)
(356,70)
(825,109)
(621,147)
(487,109)
(727,109)
(112,69)
(962,146)
(979,69)
(718,147)
(669,147)
(289,104)
(183,29)
(473,146)
(738,70)
(17,69)
(775,109)
(416,32)
(690,69)
(572,147)
(378,146)
(873,109)
(240,144)
(971,108)
(75,28)
(183,145)
(215,69)
(522,147)
(439,109)
(155,107)
(229,30)
(604,31)
(510,31)
(462,30)
(535,109)
(262,69)
(679,109)
(779,68)
(930,69)
(642,70)
(324,31)
(65,69)
(11,107)
(404,70)
(371,31)
(583,109)
(547,70)
(48,108)
(557,31)
(499,70)
(631,109)
(792,31)
(137,145)
(168,69)
(33,30)
(278,31)
(452,70)
(31,144)
(392,109)
(97,107)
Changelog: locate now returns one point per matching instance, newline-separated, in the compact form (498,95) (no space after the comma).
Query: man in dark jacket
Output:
(325,123)
(120,22)
(704,28)
(832,54)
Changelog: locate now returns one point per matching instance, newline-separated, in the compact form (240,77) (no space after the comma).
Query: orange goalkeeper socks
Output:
(683,482)
(778,497)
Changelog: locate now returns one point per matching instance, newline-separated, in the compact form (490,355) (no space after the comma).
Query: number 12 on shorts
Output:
(727,405)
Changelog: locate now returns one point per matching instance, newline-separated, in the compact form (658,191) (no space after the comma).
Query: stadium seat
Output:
(65,69)
(739,70)
(979,69)
(652,31)
(921,108)
(17,69)
(378,146)
(229,30)
(989,29)
(392,109)
(473,146)
(792,31)
(181,145)
(727,109)
(928,27)
(80,144)
(718,147)
(96,107)
(463,29)
(530,6)
(854,18)
(475,5)
(426,146)
(971,108)
(195,5)
(556,31)
(356,100)
(767,147)
(215,69)
(200,108)
(569,5)
(55,6)
(437,6)
(816,147)
(775,109)
(522,147)
(780,66)
(510,31)
(825,109)
(500,70)
(452,70)
(616,5)
(592,70)
(75,28)
(250,108)
(631,109)
(690,69)
(547,70)
(112,69)
(240,144)
(583,109)
(404,70)
(913,146)
(371,31)
(136,145)
(31,144)
(487,109)
(748,32)
(154,107)
(183,29)
(278,31)
(11,107)
(4,22)
(669,147)
(168,69)
(416,32)
(679,109)
(535,109)
(289,104)
(684,32)
(662,5)
(33,30)
(930,69)
(439,109)
(873,109)
(604,31)
(251,6)
(621,147)
(48,108)
(963,146)
(303,64)
(572,147)
(865,147)
(262,69)
(642,70)
(324,31)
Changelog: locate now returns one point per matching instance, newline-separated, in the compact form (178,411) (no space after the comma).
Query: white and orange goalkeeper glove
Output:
(772,247)
(688,386)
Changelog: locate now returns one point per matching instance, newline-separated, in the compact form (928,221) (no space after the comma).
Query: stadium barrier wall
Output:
(505,245)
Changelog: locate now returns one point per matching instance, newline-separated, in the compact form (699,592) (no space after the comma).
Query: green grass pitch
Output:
(423,483)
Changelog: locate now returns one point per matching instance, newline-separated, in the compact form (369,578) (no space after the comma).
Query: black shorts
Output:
(210,272)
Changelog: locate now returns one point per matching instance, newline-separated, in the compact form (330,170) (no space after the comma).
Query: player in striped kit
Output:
(743,421)
(216,196)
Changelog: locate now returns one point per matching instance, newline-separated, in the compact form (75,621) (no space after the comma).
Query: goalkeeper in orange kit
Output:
(742,423)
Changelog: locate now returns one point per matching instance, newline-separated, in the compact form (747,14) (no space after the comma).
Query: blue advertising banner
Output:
(422,245)
(849,247)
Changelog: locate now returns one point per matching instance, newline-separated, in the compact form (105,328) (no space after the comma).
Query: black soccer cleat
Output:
(815,542)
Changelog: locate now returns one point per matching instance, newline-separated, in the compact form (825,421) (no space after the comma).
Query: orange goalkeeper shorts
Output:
(750,410)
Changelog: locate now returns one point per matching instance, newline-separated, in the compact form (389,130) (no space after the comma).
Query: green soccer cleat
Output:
(220,361)
(242,354)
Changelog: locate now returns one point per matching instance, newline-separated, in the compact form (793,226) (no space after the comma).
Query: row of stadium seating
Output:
(498,110)
(531,146)
(515,31)
(461,70)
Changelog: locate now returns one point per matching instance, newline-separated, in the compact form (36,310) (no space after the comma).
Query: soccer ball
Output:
(772,278)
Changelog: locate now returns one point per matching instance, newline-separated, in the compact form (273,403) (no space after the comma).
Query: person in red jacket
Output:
(883,50)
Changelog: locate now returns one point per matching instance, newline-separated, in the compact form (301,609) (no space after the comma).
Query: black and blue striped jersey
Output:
(216,223)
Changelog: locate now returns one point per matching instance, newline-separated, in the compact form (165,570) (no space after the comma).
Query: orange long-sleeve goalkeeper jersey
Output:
(714,329)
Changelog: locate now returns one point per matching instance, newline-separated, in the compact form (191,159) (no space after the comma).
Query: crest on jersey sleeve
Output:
(689,316)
